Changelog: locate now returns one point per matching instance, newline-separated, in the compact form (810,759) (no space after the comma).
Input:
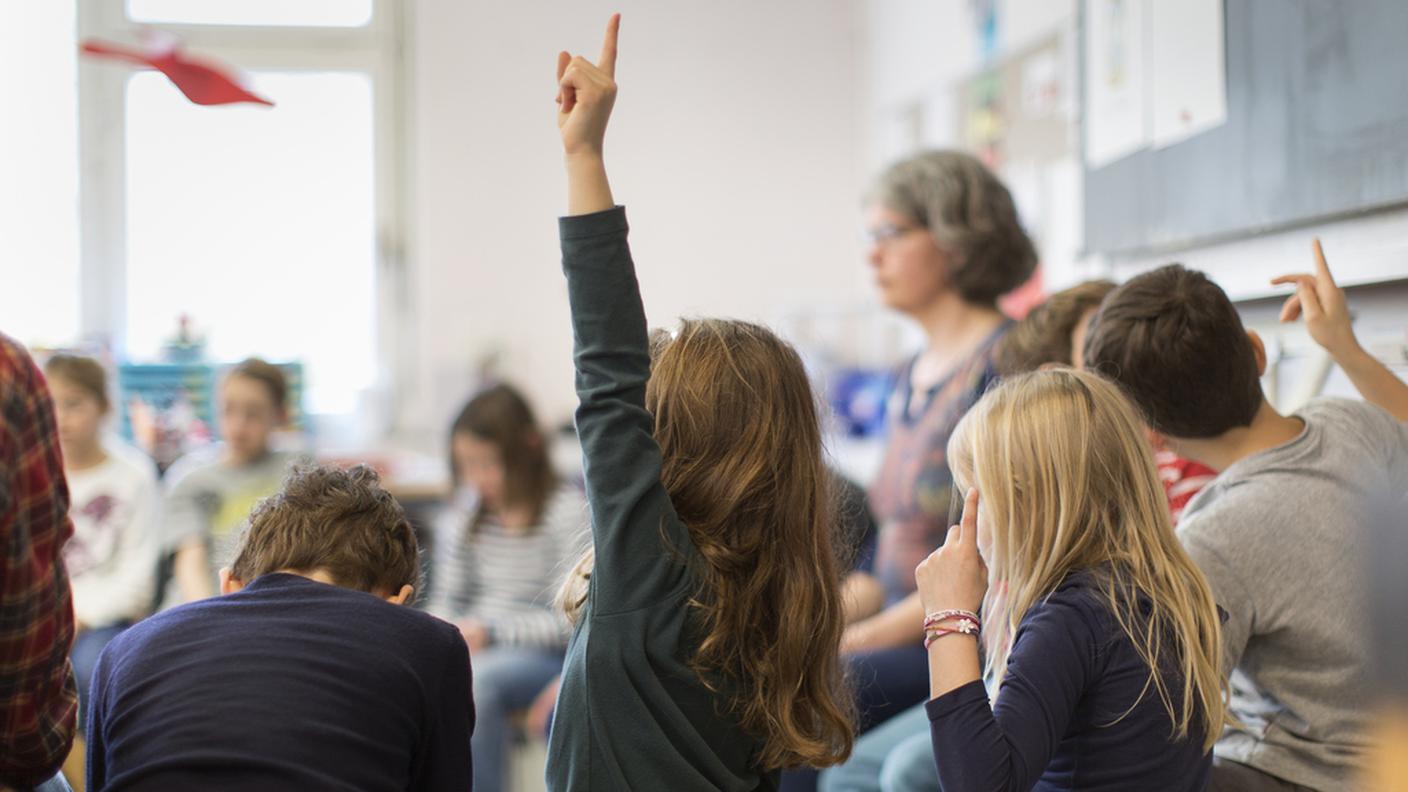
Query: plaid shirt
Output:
(38,701)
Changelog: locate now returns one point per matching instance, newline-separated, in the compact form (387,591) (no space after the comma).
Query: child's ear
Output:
(401,597)
(229,584)
(1259,350)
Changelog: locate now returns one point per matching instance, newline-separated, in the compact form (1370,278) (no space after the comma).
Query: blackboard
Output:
(1317,128)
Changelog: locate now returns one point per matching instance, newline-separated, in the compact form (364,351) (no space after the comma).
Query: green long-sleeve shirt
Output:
(632,714)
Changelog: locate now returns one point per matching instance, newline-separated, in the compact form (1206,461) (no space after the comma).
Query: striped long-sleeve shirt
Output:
(507,579)
(37,695)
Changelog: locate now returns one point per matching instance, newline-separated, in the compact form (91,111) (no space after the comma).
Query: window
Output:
(264,226)
(258,224)
(39,259)
(328,13)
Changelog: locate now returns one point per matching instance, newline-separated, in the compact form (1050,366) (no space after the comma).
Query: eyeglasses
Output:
(885,234)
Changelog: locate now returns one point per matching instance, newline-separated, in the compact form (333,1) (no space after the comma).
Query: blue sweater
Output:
(1071,674)
(289,684)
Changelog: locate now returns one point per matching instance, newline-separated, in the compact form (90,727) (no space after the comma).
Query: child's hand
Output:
(476,635)
(1324,306)
(954,577)
(541,712)
(586,93)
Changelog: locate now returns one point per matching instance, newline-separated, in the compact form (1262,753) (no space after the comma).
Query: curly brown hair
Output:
(337,520)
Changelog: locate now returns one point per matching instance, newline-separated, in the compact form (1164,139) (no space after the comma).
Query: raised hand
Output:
(586,93)
(1323,304)
(954,576)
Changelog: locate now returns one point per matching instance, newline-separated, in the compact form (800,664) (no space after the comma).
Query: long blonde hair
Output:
(1068,484)
(741,458)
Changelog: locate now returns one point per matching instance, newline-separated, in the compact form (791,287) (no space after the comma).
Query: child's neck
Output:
(953,328)
(84,456)
(1268,430)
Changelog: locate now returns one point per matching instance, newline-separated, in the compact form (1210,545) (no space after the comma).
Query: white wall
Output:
(733,145)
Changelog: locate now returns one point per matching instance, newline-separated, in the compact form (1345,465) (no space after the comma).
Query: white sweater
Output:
(112,556)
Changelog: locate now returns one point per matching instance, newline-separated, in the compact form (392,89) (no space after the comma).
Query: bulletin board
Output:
(1316,128)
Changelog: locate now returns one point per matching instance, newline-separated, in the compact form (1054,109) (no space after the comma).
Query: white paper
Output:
(1116,116)
(1188,69)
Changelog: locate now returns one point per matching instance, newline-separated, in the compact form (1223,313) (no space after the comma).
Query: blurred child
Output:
(306,674)
(114,505)
(1100,635)
(505,546)
(704,655)
(1279,533)
(209,493)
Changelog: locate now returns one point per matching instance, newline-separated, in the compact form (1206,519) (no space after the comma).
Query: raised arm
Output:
(1326,312)
(638,538)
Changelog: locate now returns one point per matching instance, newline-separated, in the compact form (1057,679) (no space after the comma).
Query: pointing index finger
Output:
(608,46)
(969,522)
(1322,269)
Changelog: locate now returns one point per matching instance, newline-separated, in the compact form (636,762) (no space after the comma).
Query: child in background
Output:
(514,529)
(114,505)
(1280,533)
(306,674)
(705,652)
(1100,635)
(209,493)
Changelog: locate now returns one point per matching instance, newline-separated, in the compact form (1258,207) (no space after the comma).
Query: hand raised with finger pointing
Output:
(1322,302)
(586,94)
(954,576)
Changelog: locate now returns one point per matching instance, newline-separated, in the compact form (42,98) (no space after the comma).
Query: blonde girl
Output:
(1102,638)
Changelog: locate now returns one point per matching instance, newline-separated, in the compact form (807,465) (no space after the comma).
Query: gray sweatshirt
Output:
(1281,537)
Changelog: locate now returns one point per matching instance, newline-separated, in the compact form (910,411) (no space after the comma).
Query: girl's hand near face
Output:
(954,577)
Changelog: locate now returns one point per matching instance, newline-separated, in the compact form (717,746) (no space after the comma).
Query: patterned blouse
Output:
(914,490)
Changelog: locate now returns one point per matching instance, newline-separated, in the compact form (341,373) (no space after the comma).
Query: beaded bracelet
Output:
(965,627)
(938,617)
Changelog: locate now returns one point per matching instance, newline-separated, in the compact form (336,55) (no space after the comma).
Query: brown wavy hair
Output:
(737,424)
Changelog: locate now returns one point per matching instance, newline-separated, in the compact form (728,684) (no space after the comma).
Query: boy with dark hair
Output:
(1279,533)
(306,674)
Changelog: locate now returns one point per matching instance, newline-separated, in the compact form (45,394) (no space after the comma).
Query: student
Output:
(946,244)
(1054,332)
(1100,635)
(210,492)
(114,506)
(704,655)
(896,756)
(306,674)
(1279,533)
(507,543)
(38,701)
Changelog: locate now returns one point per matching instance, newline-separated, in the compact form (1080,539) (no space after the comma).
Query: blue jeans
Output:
(886,682)
(895,756)
(506,680)
(86,648)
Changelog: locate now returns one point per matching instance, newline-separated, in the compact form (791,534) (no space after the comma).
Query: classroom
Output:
(388,402)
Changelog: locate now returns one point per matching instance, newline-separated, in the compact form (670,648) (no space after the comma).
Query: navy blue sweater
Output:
(289,684)
(1071,674)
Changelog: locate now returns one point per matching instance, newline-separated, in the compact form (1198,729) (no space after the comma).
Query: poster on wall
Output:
(1116,117)
(1189,69)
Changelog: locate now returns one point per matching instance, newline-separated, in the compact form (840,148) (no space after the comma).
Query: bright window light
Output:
(39,297)
(291,13)
(257,223)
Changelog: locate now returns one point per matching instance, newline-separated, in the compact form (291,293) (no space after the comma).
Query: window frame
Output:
(376,49)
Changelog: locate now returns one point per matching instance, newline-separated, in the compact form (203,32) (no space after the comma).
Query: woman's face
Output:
(78,414)
(248,417)
(909,267)
(481,467)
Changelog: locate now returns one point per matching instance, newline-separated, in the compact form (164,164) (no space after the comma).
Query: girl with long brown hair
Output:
(502,546)
(1102,641)
(705,651)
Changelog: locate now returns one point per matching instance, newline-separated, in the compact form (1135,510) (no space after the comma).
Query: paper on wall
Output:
(1116,118)
(1188,69)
